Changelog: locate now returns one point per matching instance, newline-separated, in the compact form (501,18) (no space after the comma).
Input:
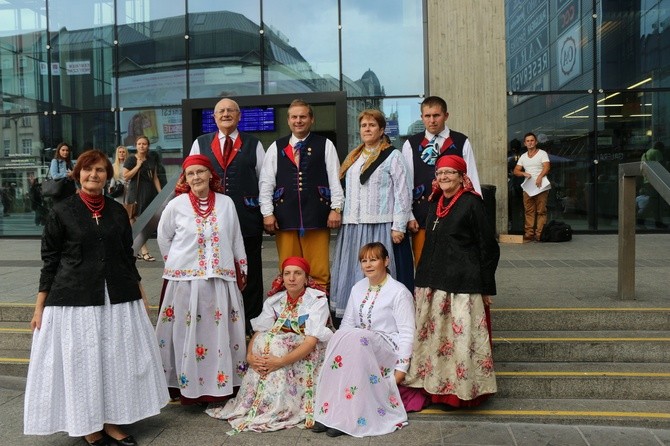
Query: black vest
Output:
(302,196)
(239,180)
(425,173)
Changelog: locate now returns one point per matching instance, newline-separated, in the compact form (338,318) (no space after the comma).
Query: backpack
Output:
(556,231)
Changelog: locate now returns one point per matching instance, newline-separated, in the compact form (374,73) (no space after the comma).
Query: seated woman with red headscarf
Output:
(452,362)
(284,356)
(200,327)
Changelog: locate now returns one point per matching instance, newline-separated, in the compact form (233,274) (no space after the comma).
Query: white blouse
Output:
(388,310)
(313,314)
(201,248)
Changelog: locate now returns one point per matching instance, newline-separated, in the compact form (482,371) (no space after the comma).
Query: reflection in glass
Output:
(301,50)
(384,38)
(224,49)
(152,51)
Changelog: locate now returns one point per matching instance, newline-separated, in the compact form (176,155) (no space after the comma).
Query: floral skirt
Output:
(280,401)
(452,346)
(356,392)
(93,365)
(201,336)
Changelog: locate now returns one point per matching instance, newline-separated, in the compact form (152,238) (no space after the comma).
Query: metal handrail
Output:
(659,178)
(146,223)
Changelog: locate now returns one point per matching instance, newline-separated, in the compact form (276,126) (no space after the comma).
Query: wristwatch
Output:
(338,210)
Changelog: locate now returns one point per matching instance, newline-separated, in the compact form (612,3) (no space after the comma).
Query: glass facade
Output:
(98,73)
(591,80)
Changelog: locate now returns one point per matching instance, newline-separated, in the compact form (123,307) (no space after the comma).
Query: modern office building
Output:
(591,78)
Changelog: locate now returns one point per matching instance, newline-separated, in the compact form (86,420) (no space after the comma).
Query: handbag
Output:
(58,188)
(117,189)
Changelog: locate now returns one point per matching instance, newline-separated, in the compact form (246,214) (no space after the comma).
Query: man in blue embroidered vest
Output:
(237,157)
(300,192)
(421,151)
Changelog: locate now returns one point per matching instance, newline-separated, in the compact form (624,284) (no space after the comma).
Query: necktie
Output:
(227,148)
(296,151)
(429,153)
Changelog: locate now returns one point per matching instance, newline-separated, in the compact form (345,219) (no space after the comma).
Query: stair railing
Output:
(659,178)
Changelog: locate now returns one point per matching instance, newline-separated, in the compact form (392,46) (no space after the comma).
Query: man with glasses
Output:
(237,158)
(300,192)
(421,151)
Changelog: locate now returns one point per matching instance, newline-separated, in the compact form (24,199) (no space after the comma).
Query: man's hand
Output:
(270,224)
(334,220)
(413,226)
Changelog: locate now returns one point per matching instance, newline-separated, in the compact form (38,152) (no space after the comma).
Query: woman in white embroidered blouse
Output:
(200,327)
(357,392)
(284,355)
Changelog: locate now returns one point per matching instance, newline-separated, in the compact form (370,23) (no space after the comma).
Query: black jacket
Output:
(80,257)
(461,254)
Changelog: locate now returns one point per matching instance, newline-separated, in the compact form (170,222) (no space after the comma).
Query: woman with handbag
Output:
(60,172)
(94,361)
(140,172)
(117,187)
(201,329)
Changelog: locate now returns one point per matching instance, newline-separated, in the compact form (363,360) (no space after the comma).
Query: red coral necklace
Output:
(202,207)
(94,203)
(443,210)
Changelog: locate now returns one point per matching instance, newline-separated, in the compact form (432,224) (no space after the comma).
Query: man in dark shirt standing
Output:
(237,158)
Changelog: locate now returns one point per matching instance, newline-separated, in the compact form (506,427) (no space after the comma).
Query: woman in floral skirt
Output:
(284,356)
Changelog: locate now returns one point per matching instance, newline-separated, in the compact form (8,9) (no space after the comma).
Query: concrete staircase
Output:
(608,366)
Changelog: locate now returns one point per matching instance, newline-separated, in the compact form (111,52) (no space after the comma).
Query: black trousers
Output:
(253,293)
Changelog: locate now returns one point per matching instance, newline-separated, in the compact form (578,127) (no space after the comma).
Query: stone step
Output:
(580,319)
(582,346)
(15,336)
(24,313)
(626,381)
(640,413)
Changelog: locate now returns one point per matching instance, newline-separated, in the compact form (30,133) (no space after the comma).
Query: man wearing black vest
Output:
(421,151)
(300,192)
(237,158)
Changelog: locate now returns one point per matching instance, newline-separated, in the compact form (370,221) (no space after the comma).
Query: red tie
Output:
(227,148)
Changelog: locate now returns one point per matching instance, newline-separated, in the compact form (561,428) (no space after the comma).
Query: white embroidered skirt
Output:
(201,336)
(93,365)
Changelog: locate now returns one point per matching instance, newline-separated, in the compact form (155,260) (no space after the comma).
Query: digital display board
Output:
(253,119)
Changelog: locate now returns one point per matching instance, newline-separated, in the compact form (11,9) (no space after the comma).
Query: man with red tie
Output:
(421,151)
(300,192)
(237,157)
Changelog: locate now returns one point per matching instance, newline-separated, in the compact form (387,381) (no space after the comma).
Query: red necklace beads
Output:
(202,207)
(94,203)
(443,210)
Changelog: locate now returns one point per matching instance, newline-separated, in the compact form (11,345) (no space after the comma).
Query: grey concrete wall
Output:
(466,66)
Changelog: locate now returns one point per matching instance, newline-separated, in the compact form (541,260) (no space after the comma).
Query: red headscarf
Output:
(296,261)
(457,163)
(278,284)
(182,186)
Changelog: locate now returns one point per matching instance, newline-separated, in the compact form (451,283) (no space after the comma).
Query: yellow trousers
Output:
(313,246)
(418,240)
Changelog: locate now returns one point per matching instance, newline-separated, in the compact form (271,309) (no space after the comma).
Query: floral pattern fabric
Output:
(357,393)
(201,337)
(285,397)
(452,349)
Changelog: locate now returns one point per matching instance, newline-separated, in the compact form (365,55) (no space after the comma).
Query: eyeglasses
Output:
(451,173)
(196,173)
(223,111)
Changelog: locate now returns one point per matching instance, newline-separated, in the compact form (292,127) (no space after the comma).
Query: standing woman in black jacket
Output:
(455,279)
(94,362)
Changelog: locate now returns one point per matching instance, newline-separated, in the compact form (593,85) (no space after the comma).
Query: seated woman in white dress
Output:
(284,355)
(357,392)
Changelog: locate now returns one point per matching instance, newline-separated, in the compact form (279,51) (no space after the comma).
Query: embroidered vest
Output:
(239,180)
(302,196)
(425,173)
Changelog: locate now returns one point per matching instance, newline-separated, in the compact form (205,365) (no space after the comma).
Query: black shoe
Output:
(102,441)
(319,428)
(127,441)
(332,432)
